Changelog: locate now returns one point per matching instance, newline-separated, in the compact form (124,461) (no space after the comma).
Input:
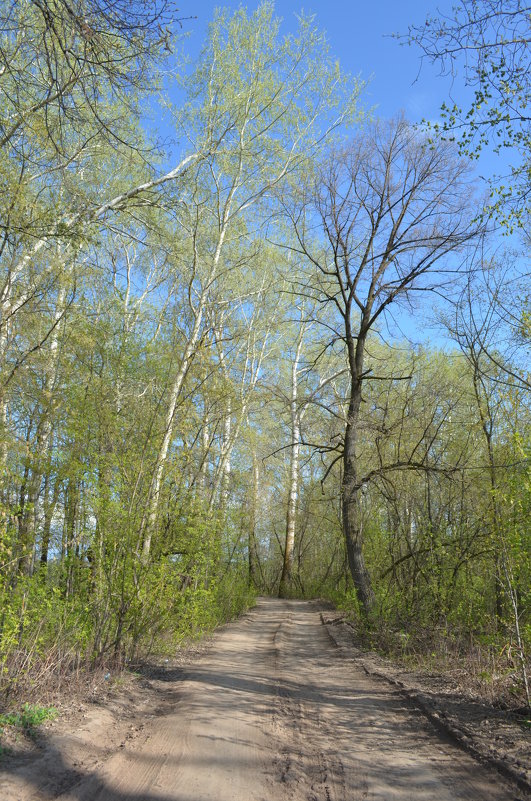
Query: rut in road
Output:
(275,712)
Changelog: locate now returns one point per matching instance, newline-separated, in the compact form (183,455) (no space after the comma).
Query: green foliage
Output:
(28,717)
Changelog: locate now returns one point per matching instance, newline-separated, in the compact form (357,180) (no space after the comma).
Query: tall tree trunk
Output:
(72,498)
(203,469)
(24,547)
(49,504)
(486,420)
(350,490)
(6,313)
(293,494)
(44,434)
(227,464)
(254,562)
(150,518)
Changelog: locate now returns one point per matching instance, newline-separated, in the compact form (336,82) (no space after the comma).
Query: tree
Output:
(68,67)
(72,80)
(270,104)
(490,406)
(485,44)
(310,378)
(492,311)
(389,208)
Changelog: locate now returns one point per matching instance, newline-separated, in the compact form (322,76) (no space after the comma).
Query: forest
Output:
(253,341)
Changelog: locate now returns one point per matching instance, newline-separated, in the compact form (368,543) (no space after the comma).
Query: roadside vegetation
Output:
(215,374)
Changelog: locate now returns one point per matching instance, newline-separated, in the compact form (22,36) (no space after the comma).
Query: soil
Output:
(281,704)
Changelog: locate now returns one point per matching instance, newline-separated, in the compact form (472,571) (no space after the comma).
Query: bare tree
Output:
(491,316)
(488,371)
(377,223)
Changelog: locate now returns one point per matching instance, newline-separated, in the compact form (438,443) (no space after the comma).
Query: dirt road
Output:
(274,711)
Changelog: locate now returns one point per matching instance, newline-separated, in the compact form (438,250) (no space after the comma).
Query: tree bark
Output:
(150,520)
(350,488)
(350,507)
(291,513)
(254,563)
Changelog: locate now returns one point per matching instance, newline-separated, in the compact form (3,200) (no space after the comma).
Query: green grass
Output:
(29,717)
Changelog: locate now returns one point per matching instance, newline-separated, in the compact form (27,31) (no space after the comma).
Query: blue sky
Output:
(358,33)
(360,36)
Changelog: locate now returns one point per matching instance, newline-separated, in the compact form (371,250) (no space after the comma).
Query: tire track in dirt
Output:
(307,770)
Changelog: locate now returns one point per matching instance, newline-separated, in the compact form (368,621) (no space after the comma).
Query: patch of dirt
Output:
(101,711)
(497,736)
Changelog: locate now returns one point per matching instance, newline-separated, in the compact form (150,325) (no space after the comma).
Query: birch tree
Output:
(310,376)
(269,103)
(72,78)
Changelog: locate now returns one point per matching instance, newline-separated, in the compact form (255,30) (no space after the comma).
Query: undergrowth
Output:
(482,662)
(64,645)
(25,719)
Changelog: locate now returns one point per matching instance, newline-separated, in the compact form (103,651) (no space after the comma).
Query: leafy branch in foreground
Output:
(485,44)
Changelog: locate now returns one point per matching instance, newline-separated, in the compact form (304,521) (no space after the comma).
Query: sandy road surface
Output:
(272,712)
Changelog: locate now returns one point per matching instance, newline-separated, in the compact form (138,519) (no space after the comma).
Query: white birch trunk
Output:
(293,494)
(150,519)
(228,447)
(203,470)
